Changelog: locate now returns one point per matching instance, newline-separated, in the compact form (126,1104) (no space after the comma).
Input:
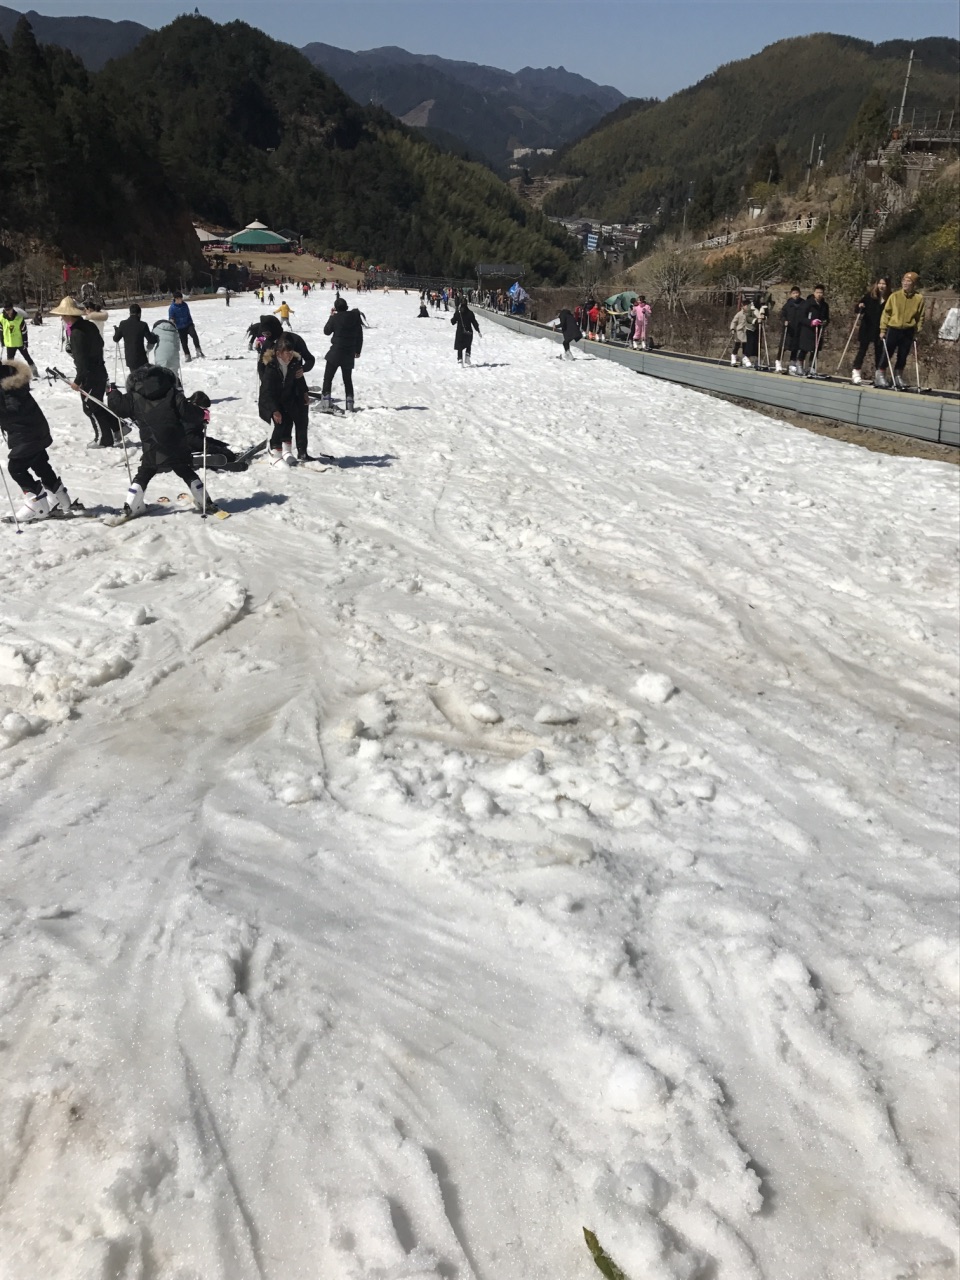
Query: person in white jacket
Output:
(168,346)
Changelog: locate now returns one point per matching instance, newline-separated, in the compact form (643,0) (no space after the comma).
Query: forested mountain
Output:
(94,40)
(73,174)
(748,121)
(489,110)
(235,126)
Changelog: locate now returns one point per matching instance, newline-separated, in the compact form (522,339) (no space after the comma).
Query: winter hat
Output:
(201,399)
(340,304)
(912,276)
(67,307)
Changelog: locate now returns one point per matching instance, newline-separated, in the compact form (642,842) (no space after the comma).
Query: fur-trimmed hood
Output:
(98,317)
(18,379)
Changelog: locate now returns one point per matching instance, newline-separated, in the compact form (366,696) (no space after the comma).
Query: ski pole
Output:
(116,361)
(916,361)
(13,509)
(203,509)
(849,340)
(778,367)
(726,345)
(766,345)
(816,351)
(893,376)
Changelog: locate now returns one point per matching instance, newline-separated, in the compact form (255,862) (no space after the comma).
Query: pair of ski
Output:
(114,520)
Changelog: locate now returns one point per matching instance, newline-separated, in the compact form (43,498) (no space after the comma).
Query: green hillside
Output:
(723,128)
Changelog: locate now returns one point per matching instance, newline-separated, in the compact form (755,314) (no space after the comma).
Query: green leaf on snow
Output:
(600,1256)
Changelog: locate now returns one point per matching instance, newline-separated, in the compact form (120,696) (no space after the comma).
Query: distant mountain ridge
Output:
(94,40)
(462,106)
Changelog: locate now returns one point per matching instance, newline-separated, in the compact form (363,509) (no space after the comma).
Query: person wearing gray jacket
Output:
(168,346)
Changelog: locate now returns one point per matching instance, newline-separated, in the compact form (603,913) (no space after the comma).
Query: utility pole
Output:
(903,100)
(813,141)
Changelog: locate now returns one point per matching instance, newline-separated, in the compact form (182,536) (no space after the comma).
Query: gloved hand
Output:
(815,324)
(206,415)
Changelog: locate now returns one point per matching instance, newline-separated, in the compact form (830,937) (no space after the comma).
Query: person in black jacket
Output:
(569,329)
(816,318)
(466,322)
(794,309)
(283,393)
(27,434)
(86,347)
(345,331)
(156,403)
(136,338)
(870,309)
(267,332)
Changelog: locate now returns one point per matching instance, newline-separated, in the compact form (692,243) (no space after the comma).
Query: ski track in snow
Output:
(545,819)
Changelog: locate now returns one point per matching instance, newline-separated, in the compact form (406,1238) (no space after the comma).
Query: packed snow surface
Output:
(545,819)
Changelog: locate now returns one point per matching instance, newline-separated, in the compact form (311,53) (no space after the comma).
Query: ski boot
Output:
(134,504)
(197,494)
(287,453)
(855,378)
(880,381)
(348,403)
(59,499)
(36,506)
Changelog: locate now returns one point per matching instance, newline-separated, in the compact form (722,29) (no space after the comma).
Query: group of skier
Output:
(888,322)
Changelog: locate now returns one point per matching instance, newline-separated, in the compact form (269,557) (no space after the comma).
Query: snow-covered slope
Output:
(546,819)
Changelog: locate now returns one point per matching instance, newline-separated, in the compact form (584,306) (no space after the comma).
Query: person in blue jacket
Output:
(179,313)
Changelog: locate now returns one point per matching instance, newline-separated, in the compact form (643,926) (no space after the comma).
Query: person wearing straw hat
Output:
(86,347)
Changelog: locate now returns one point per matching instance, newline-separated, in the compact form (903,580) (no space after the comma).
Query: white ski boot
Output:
(287,453)
(197,494)
(466,358)
(35,507)
(778,366)
(747,364)
(880,381)
(898,382)
(733,360)
(855,378)
(134,503)
(59,499)
(568,355)
(276,457)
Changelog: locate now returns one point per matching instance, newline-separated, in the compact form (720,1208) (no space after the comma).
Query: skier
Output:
(27,434)
(466,322)
(156,403)
(756,319)
(136,338)
(168,346)
(792,315)
(267,334)
(14,329)
(901,324)
(345,331)
(283,391)
(569,330)
(740,328)
(816,318)
(869,309)
(423,313)
(641,319)
(179,313)
(86,347)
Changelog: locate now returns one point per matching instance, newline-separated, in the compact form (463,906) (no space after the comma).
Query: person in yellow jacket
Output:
(285,312)
(900,323)
(13,329)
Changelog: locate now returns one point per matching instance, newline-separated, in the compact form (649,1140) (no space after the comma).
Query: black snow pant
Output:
(164,456)
(792,344)
(189,332)
(899,343)
(104,423)
(868,340)
(301,423)
(12,351)
(43,477)
(751,348)
(345,365)
(281,431)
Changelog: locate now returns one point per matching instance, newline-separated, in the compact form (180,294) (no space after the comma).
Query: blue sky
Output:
(644,47)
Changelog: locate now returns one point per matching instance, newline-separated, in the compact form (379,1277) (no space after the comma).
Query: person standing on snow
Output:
(136,338)
(740,327)
(14,330)
(870,308)
(179,313)
(813,329)
(86,347)
(345,331)
(285,311)
(156,403)
(901,324)
(283,390)
(27,433)
(792,315)
(466,323)
(167,354)
(641,319)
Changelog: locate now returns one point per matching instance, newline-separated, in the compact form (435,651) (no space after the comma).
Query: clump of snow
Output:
(654,686)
